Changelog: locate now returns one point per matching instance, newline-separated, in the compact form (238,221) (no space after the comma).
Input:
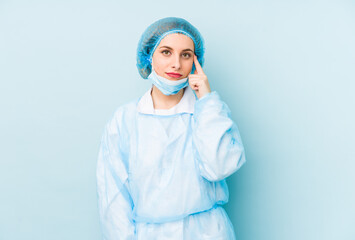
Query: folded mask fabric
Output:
(166,86)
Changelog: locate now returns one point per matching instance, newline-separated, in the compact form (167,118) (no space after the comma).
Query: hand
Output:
(198,81)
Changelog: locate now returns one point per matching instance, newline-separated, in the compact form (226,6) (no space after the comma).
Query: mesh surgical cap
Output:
(152,36)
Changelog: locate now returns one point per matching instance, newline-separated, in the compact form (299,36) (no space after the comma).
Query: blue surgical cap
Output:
(152,36)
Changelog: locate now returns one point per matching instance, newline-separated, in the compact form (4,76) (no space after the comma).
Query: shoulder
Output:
(126,109)
(123,115)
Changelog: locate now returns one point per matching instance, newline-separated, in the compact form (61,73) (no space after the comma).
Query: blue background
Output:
(285,68)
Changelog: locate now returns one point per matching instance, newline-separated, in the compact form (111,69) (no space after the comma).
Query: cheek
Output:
(160,63)
(160,68)
(189,64)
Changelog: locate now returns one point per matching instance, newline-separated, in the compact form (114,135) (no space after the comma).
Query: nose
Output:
(176,62)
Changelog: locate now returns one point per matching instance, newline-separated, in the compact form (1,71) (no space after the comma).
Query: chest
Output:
(161,146)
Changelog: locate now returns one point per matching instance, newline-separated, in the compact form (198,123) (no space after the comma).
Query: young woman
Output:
(164,157)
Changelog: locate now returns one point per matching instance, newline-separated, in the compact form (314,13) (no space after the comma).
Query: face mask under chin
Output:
(166,86)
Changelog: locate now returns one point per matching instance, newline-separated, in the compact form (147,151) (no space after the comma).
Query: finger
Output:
(193,80)
(197,65)
(195,84)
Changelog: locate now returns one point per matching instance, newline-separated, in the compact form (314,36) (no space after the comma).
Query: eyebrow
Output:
(187,49)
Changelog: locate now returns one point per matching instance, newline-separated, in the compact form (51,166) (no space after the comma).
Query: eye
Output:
(165,51)
(186,55)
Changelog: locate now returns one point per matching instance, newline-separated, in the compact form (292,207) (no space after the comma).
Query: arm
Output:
(217,143)
(114,201)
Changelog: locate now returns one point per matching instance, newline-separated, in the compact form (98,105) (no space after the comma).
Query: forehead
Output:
(177,41)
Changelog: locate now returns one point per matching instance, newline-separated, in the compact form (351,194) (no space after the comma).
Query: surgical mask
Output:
(166,86)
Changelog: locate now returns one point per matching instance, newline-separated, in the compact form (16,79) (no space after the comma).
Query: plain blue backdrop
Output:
(285,68)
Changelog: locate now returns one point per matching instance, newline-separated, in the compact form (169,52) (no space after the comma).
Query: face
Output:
(174,54)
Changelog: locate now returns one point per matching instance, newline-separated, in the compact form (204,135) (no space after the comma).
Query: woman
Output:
(164,157)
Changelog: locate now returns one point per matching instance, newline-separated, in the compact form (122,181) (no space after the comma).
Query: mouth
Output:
(174,75)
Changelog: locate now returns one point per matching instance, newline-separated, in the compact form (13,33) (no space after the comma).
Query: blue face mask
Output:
(166,86)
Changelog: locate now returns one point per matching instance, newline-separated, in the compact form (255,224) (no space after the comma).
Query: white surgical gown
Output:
(161,173)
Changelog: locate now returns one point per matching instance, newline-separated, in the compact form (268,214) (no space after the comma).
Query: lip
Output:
(173,75)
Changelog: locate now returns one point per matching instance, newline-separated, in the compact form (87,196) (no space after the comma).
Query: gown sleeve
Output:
(217,144)
(114,201)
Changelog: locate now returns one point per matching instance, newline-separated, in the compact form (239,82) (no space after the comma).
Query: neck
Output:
(162,101)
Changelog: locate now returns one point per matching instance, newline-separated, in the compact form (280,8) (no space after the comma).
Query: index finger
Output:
(197,65)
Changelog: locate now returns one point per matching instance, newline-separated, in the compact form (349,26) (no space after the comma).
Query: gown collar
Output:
(186,104)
